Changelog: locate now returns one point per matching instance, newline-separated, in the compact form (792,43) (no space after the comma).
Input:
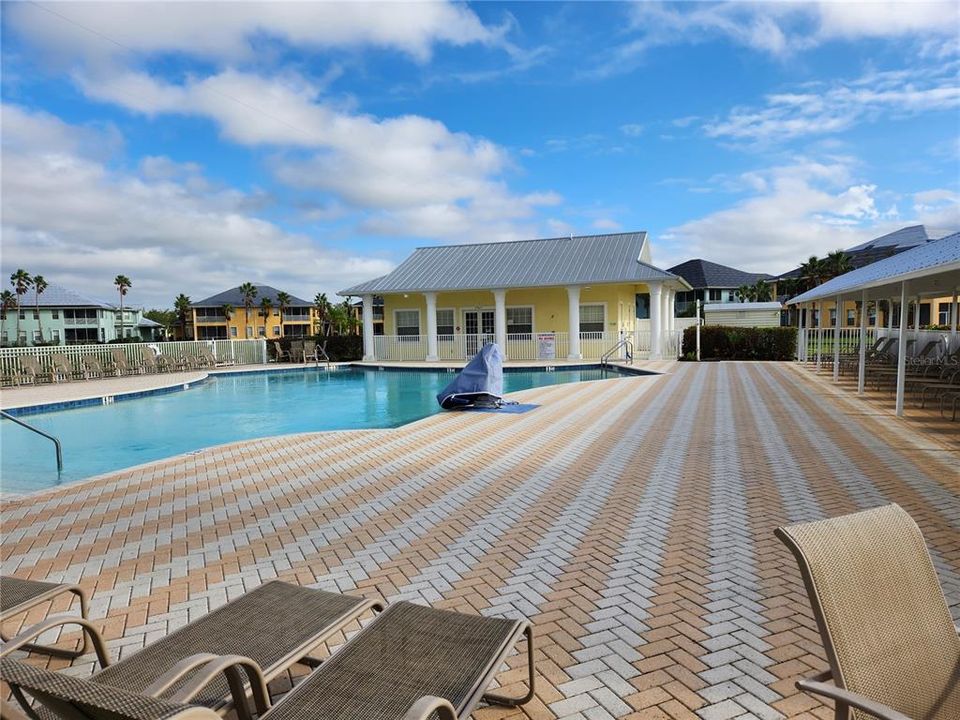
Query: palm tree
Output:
(182,306)
(39,285)
(122,283)
(761,291)
(249,292)
(746,293)
(8,301)
(21,281)
(283,302)
(266,309)
(838,263)
(322,305)
(227,310)
(349,317)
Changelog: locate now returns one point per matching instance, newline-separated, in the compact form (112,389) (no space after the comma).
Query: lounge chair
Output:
(148,361)
(121,365)
(410,663)
(18,596)
(269,629)
(891,644)
(279,352)
(91,367)
(296,351)
(309,351)
(163,363)
(62,367)
(210,360)
(31,370)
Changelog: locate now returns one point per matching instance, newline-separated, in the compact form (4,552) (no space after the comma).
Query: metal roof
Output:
(924,264)
(718,307)
(702,274)
(234,297)
(57,296)
(575,260)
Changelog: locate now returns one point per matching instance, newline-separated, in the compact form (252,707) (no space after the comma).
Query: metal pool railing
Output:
(38,431)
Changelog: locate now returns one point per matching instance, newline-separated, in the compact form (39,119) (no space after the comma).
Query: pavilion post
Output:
(862,364)
(902,348)
(801,336)
(836,342)
(819,313)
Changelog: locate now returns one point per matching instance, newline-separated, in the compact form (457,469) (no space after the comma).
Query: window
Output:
(408,322)
(833,317)
(714,295)
(851,318)
(55,314)
(5,338)
(731,295)
(210,314)
(871,314)
(262,331)
(643,306)
(249,332)
(81,336)
(23,314)
(56,337)
(444,322)
(215,332)
(943,314)
(520,320)
(233,331)
(592,318)
(36,315)
(276,331)
(36,337)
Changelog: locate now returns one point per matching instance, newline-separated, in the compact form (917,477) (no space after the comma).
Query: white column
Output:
(368,352)
(656,306)
(862,364)
(500,320)
(902,348)
(431,326)
(836,340)
(954,311)
(890,317)
(819,311)
(672,310)
(916,324)
(801,338)
(573,298)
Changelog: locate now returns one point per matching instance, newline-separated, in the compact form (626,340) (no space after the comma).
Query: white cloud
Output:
(780,29)
(607,224)
(800,209)
(939,208)
(72,218)
(840,105)
(632,130)
(101,31)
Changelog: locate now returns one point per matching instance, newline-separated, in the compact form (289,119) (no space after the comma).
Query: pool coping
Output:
(92,400)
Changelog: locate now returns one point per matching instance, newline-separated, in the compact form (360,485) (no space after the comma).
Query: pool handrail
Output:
(38,431)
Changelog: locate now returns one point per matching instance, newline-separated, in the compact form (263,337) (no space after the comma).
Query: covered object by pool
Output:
(479,384)
(929,270)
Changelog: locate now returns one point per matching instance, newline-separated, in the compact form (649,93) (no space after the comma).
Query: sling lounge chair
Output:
(296,351)
(18,596)
(91,367)
(30,368)
(270,628)
(279,352)
(411,663)
(309,351)
(121,365)
(893,650)
(208,357)
(62,367)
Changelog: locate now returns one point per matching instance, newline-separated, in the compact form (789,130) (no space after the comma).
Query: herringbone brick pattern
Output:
(630,519)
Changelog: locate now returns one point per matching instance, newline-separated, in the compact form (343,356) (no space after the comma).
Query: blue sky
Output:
(194,146)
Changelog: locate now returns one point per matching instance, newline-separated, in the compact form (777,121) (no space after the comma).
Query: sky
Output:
(311,146)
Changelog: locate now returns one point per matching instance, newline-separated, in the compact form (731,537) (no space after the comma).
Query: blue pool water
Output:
(101,438)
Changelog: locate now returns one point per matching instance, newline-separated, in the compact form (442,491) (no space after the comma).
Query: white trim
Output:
(533,317)
(440,310)
(605,314)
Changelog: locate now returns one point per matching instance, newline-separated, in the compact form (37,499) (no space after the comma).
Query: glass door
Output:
(478,329)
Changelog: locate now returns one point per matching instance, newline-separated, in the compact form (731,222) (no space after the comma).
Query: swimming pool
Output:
(226,408)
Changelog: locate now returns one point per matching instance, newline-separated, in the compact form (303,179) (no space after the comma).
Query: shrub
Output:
(719,342)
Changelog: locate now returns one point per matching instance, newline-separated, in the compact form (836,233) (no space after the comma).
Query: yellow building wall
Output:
(238,321)
(550,306)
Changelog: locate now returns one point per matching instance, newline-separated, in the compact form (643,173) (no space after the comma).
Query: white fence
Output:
(527,346)
(238,352)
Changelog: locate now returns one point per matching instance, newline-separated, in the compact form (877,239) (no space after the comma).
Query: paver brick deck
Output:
(630,519)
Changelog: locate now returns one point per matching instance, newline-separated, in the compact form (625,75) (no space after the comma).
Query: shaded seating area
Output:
(893,650)
(902,358)
(410,663)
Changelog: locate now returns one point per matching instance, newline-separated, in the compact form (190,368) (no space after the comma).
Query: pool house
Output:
(566,298)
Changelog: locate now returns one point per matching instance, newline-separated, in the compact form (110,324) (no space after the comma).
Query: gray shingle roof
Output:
(235,298)
(57,296)
(930,258)
(546,262)
(705,274)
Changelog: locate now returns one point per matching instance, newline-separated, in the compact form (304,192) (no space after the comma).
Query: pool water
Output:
(227,408)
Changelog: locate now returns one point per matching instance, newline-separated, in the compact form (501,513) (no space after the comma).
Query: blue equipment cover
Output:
(479,384)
